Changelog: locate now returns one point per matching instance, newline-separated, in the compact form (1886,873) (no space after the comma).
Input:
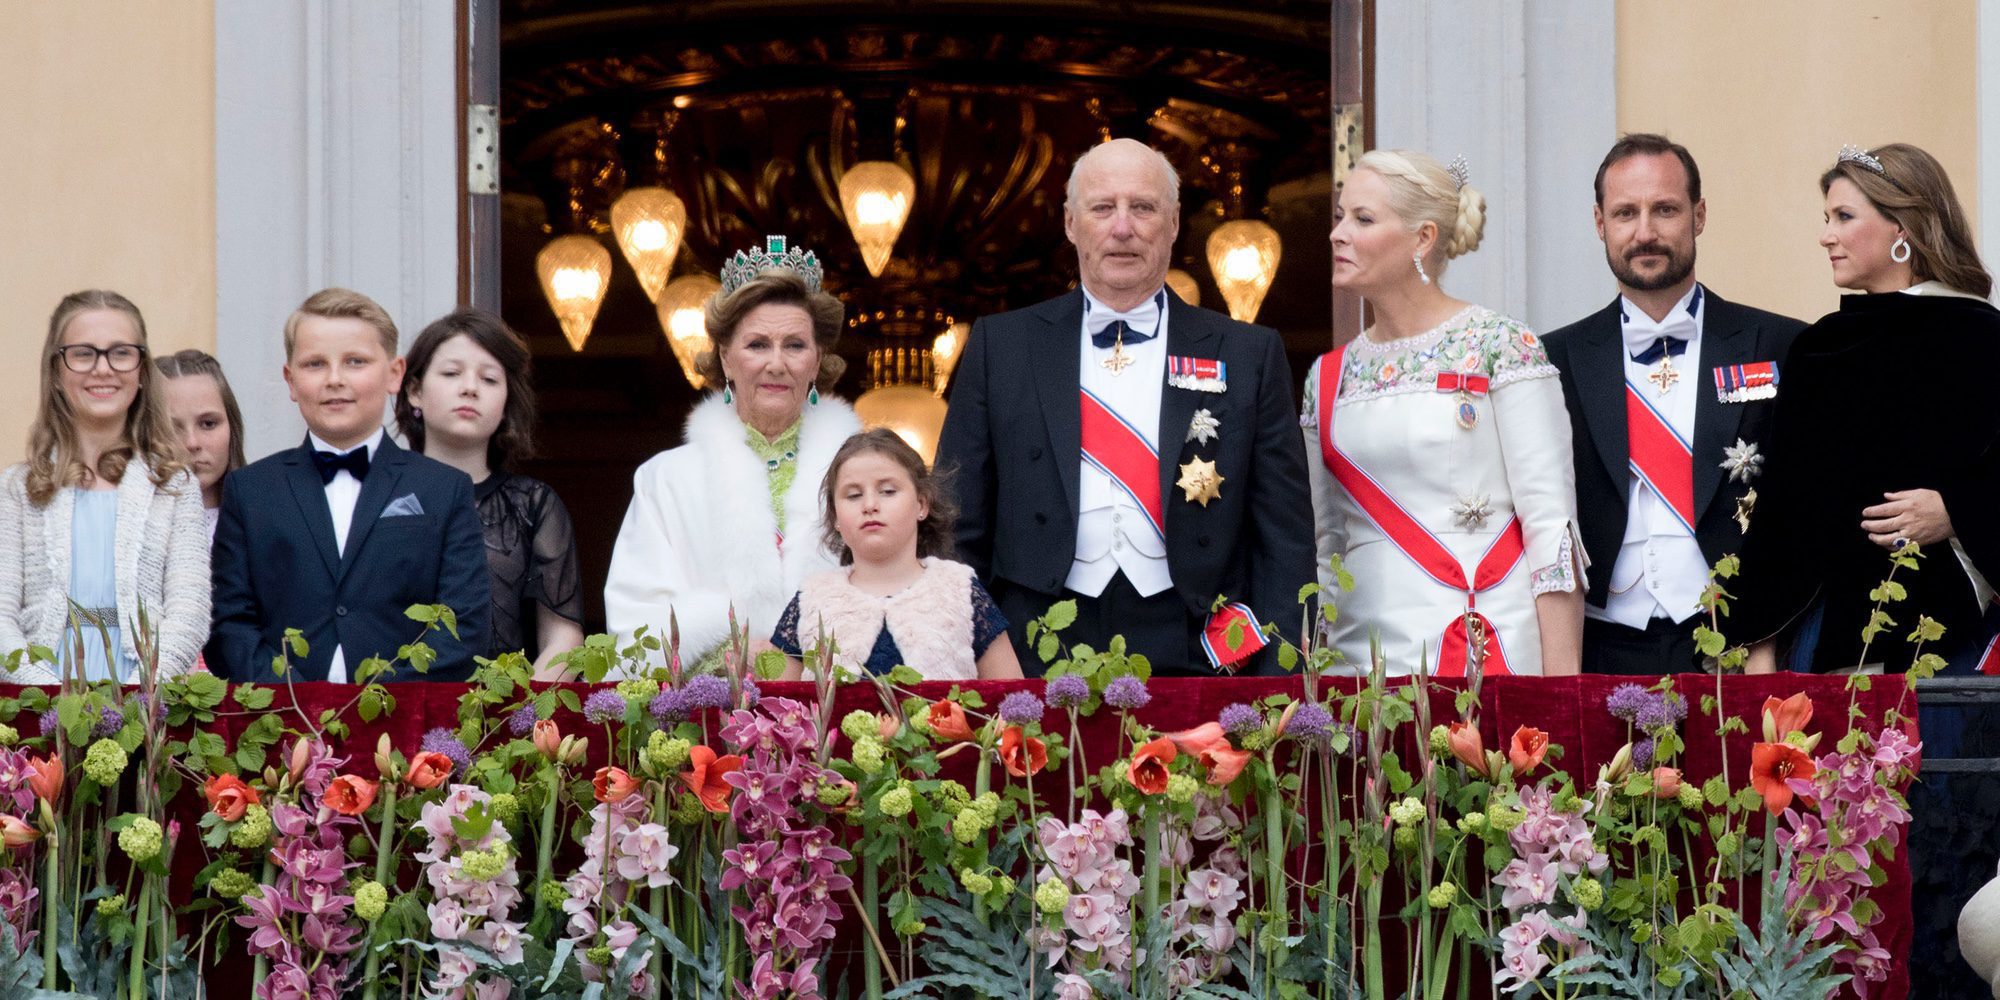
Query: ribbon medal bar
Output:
(1744,383)
(1199,374)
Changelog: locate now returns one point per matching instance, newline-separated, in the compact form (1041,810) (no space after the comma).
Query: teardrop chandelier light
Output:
(1243,256)
(683,306)
(648,222)
(945,351)
(876,196)
(1184,286)
(575,271)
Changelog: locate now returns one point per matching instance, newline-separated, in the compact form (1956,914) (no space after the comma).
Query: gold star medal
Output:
(1200,481)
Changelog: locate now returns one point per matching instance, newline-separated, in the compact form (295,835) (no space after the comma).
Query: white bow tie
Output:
(1643,331)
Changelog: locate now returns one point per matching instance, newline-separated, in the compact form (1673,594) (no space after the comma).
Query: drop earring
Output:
(416,413)
(812,396)
(727,396)
(1418,260)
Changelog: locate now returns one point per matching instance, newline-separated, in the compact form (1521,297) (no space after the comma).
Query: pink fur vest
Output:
(931,619)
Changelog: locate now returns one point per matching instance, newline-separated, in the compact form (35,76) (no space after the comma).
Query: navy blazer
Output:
(276,567)
(1014,435)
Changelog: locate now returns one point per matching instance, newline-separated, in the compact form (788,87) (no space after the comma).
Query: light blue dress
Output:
(93,582)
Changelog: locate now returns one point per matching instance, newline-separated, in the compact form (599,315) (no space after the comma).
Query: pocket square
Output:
(403,506)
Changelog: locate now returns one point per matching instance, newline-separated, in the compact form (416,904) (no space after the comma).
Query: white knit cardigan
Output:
(162,565)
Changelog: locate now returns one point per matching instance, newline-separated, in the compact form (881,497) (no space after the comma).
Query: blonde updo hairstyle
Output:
(1420,191)
(776,286)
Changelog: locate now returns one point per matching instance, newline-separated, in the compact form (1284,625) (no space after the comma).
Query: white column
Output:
(1526,91)
(336,133)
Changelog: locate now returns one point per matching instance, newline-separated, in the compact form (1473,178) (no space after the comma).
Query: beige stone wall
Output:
(108,176)
(1764,94)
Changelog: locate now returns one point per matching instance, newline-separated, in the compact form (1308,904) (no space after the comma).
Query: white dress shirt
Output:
(1112,531)
(343,491)
(1660,571)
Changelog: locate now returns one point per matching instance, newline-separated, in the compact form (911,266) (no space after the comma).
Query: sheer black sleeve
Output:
(988,623)
(786,637)
(553,580)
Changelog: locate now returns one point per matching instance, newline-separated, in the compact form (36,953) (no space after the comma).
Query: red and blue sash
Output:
(1116,448)
(1416,541)
(1659,457)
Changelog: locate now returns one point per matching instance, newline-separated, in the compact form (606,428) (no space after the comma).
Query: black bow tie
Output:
(330,464)
(1106,329)
(1665,347)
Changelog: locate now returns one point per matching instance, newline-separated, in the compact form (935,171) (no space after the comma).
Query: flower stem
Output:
(51,891)
(658,903)
(261,969)
(545,844)
(136,974)
(385,872)
(1274,855)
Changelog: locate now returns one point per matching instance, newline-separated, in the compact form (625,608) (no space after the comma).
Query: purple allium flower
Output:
(50,722)
(1068,691)
(1626,700)
(1652,715)
(1310,723)
(1239,718)
(669,706)
(1020,708)
(1128,693)
(109,722)
(444,741)
(522,722)
(1642,754)
(603,706)
(708,691)
(1677,708)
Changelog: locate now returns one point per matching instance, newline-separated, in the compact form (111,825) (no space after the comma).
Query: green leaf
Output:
(1061,615)
(252,697)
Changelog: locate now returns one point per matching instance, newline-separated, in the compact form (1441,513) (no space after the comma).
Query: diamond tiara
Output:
(1459,170)
(1855,154)
(774,255)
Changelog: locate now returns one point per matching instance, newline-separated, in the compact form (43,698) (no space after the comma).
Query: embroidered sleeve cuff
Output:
(1559,577)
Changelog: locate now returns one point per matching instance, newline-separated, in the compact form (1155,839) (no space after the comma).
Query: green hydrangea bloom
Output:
(895,802)
(1406,838)
(673,753)
(232,884)
(552,893)
(1051,896)
(1689,797)
(974,882)
(1408,812)
(370,899)
(1503,819)
(505,807)
(1476,821)
(832,793)
(9,735)
(860,725)
(600,955)
(104,762)
(1004,884)
(968,825)
(638,690)
(1442,895)
(483,866)
(141,839)
(110,906)
(253,830)
(1441,741)
(1181,788)
(868,755)
(1587,892)
(1256,740)
(688,810)
(988,806)
(953,796)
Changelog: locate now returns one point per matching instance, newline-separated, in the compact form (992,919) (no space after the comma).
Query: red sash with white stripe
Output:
(1659,457)
(1416,541)
(1116,448)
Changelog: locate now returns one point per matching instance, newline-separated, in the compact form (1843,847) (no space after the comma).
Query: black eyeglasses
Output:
(81,358)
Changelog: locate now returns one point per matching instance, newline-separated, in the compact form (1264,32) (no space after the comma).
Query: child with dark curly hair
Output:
(896,599)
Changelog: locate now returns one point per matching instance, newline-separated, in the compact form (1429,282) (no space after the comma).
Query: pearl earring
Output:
(1418,260)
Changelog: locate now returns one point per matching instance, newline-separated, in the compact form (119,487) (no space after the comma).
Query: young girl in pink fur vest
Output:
(896,599)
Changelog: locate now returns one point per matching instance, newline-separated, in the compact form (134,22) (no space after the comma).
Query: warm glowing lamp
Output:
(1184,286)
(914,412)
(876,196)
(648,222)
(575,271)
(1243,257)
(683,308)
(945,350)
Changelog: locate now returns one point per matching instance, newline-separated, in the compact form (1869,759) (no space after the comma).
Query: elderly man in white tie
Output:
(1120,448)
(1669,391)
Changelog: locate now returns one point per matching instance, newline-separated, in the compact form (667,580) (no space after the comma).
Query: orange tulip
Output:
(1772,765)
(613,784)
(1022,754)
(1467,746)
(704,777)
(1223,763)
(947,719)
(228,797)
(1666,782)
(350,795)
(1148,771)
(1528,747)
(1785,717)
(429,769)
(45,778)
(548,739)
(1206,736)
(17,832)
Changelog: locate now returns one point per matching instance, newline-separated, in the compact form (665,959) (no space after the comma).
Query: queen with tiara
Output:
(730,521)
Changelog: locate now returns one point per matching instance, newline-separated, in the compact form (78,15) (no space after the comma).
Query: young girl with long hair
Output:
(897,599)
(205,416)
(104,514)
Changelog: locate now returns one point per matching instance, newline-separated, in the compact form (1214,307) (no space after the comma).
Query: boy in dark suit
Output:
(339,536)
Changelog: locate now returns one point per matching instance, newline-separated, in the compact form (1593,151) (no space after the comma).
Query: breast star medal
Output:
(1200,481)
(1203,427)
(1471,514)
(1119,360)
(1743,509)
(1665,376)
(1742,462)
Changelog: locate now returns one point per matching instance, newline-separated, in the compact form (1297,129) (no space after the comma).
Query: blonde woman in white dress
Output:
(1440,448)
